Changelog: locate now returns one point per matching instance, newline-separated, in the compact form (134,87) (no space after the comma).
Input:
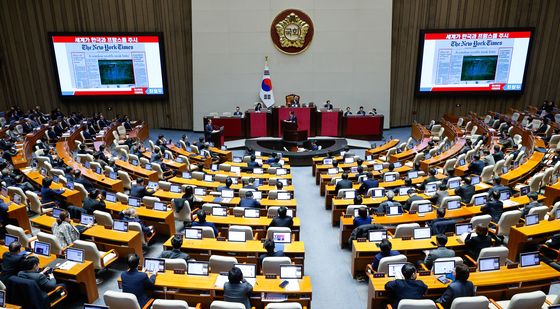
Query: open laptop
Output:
(377,236)
(208,178)
(251,213)
(74,255)
(425,208)
(2,299)
(463,228)
(249,272)
(444,267)
(8,239)
(110,197)
(42,248)
(214,167)
(257,195)
(56,179)
(451,205)
(113,175)
(395,270)
(524,190)
(134,201)
(489,264)
(227,194)
(404,191)
(378,167)
(237,236)
(413,174)
(504,195)
(16,198)
(394,210)
(120,225)
(453,184)
(475,180)
(193,233)
(529,259)
(349,194)
(154,265)
(531,219)
(332,171)
(175,188)
(186,175)
(4,191)
(282,237)
(480,200)
(160,206)
(430,188)
(219,211)
(291,271)
(199,191)
(422,233)
(283,181)
(327,161)
(397,164)
(348,160)
(235,169)
(284,195)
(85,220)
(378,192)
(148,166)
(504,170)
(237,159)
(197,268)
(389,177)
(56,212)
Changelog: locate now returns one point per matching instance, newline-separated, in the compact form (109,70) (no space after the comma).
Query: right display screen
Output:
(481,60)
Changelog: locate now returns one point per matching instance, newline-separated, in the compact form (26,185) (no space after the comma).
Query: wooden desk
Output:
(410,153)
(181,167)
(18,212)
(23,156)
(163,221)
(212,185)
(137,171)
(82,273)
(502,284)
(245,252)
(522,236)
(363,252)
(377,151)
(526,169)
(73,197)
(259,225)
(193,157)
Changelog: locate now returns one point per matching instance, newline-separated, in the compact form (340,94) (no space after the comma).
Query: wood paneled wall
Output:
(409,16)
(26,69)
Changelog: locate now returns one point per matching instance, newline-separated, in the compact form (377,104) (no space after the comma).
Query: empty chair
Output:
(351,209)
(483,220)
(103,218)
(164,185)
(239,211)
(417,304)
(171,304)
(273,211)
(405,230)
(115,299)
(220,304)
(416,204)
(271,265)
(445,201)
(507,220)
(197,175)
(487,173)
(539,210)
(24,240)
(207,231)
(384,262)
(122,197)
(498,167)
(271,230)
(135,226)
(56,248)
(530,300)
(219,263)
(18,191)
(99,259)
(35,204)
(241,228)
(501,252)
(517,139)
(173,264)
(125,178)
(149,201)
(283,306)
(473,302)
(475,196)
(207,207)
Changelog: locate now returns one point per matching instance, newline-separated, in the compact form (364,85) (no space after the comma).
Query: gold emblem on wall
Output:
(292,31)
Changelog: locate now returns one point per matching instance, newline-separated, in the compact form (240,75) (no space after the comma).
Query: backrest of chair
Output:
(539,210)
(172,264)
(275,229)
(34,202)
(498,167)
(20,233)
(271,265)
(207,232)
(501,252)
(35,297)
(448,199)
(531,300)
(483,220)
(18,191)
(473,198)
(384,262)
(351,208)
(197,175)
(487,173)
(169,304)
(507,220)
(242,228)
(219,304)
(239,211)
(416,304)
(535,182)
(219,263)
(103,218)
(80,187)
(405,230)
(122,197)
(283,306)
(554,208)
(273,194)
(416,204)
(554,139)
(273,211)
(164,185)
(157,168)
(149,201)
(91,252)
(342,192)
(115,299)
(125,178)
(473,302)
(56,248)
(460,158)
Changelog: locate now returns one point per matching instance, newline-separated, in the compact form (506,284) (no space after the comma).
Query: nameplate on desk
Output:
(519,225)
(379,275)
(424,273)
(449,234)
(380,214)
(405,238)
(238,215)
(513,265)
(412,212)
(347,216)
(472,269)
(270,276)
(179,271)
(221,238)
(270,216)
(361,239)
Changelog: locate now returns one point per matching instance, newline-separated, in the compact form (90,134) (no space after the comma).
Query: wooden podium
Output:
(291,133)
(217,136)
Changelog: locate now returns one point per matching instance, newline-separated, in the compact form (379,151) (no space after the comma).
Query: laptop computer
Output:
(113,175)
(258,170)
(463,228)
(404,191)
(134,201)
(160,206)
(489,264)
(16,198)
(120,225)
(70,185)
(378,167)
(4,191)
(531,220)
(529,259)
(42,248)
(199,191)
(453,184)
(378,192)
(8,239)
(214,167)
(348,160)
(235,169)
(451,205)
(251,213)
(152,185)
(422,233)
(237,159)
(85,220)
(394,210)
(480,200)
(110,197)
(475,180)
(505,170)
(412,174)
(208,178)
(186,175)
(284,195)
(283,181)
(193,233)
(349,194)
(430,188)
(249,272)
(148,166)
(237,236)
(389,178)
(504,195)
(2,299)
(444,267)
(291,271)
(377,236)
(395,270)
(524,190)
(56,212)
(134,162)
(74,255)
(281,171)
(425,208)
(282,237)
(197,268)
(219,211)
(154,265)
(56,179)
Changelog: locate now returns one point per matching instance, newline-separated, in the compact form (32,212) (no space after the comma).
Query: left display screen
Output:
(98,65)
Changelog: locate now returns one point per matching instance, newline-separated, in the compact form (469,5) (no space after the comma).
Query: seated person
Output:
(136,282)
(362,218)
(407,288)
(361,111)
(385,248)
(347,112)
(49,195)
(258,107)
(476,165)
(440,252)
(344,183)
(229,182)
(431,178)
(139,189)
(238,112)
(273,158)
(30,271)
(295,101)
(237,289)
(201,216)
(12,261)
(269,246)
(440,217)
(412,196)
(461,287)
(497,186)
(64,231)
(94,202)
(129,215)
(373,111)
(328,105)
(176,252)
(79,178)
(466,190)
(253,163)
(384,207)
(250,184)
(248,201)
(282,220)
(480,241)
(494,207)
(498,153)
(368,183)
(534,198)
(441,193)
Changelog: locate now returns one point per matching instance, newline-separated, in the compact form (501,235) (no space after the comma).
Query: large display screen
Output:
(109,64)
(480,60)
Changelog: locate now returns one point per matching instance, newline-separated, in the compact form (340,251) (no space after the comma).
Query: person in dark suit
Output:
(440,217)
(79,178)
(258,107)
(361,111)
(135,282)
(270,248)
(292,117)
(248,201)
(461,287)
(534,202)
(498,153)
(229,182)
(328,105)
(201,216)
(373,111)
(368,184)
(237,289)
(250,184)
(12,261)
(347,112)
(437,199)
(295,101)
(30,271)
(494,207)
(362,218)
(385,248)
(344,183)
(498,187)
(431,178)
(49,195)
(480,241)
(282,220)
(466,191)
(253,163)
(412,196)
(176,252)
(440,252)
(208,129)
(238,112)
(100,155)
(94,202)
(273,158)
(407,288)
(139,189)
(476,165)
(384,207)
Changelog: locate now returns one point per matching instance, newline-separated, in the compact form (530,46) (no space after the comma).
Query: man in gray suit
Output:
(176,252)
(31,272)
(440,252)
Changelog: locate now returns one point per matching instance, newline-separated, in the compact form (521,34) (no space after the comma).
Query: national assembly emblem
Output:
(292,31)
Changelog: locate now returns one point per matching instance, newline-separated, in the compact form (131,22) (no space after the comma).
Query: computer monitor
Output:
(219,211)
(257,195)
(113,175)
(524,190)
(515,164)
(282,237)
(291,271)
(237,236)
(531,219)
(258,170)
(148,166)
(504,195)
(74,254)
(2,299)
(235,169)
(8,239)
(208,177)
(258,153)
(430,187)
(453,184)
(154,265)
(175,188)
(56,212)
(42,248)
(422,233)
(389,177)
(110,197)
(99,170)
(394,210)
(369,158)
(87,165)
(197,268)
(557,214)
(86,219)
(234,180)
(353,169)
(378,167)
(186,175)
(488,264)
(281,171)
(70,185)
(504,169)
(152,185)
(413,174)
(4,191)
(160,206)
(227,193)
(424,208)
(378,192)
(376,236)
(348,160)
(284,195)
(134,162)
(214,167)
(199,191)
(248,270)
(480,200)
(397,164)
(237,159)
(529,259)
(120,225)
(332,171)
(56,178)
(395,269)
(166,156)
(462,162)
(444,267)
(16,198)
(283,181)
(134,201)
(251,213)
(193,233)
(453,205)
(475,180)
(463,228)
(404,191)
(349,194)
(327,161)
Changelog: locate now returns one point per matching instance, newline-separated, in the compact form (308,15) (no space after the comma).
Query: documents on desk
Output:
(509,203)
(67,265)
(293,285)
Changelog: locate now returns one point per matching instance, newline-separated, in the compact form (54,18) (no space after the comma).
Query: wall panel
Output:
(27,76)
(409,16)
